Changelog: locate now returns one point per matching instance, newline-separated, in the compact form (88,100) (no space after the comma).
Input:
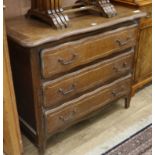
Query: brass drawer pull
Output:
(114,93)
(119,91)
(119,70)
(69,117)
(125,64)
(123,43)
(65,62)
(124,67)
(63,92)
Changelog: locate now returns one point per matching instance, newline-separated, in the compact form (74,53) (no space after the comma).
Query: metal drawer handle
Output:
(114,93)
(68,117)
(125,64)
(119,92)
(63,92)
(118,70)
(123,43)
(125,67)
(65,62)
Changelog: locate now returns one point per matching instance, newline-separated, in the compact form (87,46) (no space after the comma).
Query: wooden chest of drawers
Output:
(61,77)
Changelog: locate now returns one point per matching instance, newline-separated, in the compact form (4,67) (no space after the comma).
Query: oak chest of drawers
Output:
(63,76)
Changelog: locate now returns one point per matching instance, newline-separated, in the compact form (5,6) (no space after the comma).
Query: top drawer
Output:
(58,60)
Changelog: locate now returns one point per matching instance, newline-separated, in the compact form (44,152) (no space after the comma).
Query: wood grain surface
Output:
(11,131)
(30,32)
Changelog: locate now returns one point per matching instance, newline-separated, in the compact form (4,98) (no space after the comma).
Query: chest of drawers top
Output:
(30,33)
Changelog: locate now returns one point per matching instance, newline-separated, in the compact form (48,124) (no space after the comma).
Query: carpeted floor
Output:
(138,144)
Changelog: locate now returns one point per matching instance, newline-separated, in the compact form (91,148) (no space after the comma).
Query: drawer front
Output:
(56,61)
(69,86)
(69,113)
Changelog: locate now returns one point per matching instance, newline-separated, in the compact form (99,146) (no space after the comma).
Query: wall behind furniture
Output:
(19,7)
(16,7)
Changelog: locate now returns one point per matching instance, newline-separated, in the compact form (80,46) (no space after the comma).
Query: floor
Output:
(100,133)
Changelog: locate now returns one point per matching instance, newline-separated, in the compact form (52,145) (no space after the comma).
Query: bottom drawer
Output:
(72,111)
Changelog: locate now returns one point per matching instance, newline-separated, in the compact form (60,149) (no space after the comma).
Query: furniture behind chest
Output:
(143,56)
(12,143)
(63,76)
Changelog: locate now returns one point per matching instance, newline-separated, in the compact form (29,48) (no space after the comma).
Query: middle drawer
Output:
(74,84)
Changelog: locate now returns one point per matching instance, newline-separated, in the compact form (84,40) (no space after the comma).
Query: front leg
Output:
(42,148)
(127,101)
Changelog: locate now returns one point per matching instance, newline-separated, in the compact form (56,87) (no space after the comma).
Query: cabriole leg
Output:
(127,101)
(42,148)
